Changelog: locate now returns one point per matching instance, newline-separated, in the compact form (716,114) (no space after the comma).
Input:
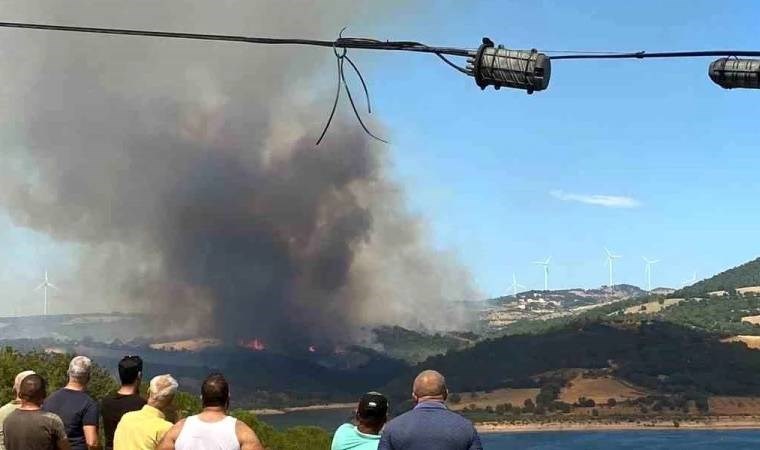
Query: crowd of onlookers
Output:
(68,419)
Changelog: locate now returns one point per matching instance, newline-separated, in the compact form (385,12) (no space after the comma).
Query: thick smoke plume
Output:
(187,174)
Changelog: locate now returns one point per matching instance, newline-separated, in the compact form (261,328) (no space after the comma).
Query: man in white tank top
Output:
(212,429)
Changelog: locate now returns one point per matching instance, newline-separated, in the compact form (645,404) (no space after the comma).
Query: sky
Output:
(648,158)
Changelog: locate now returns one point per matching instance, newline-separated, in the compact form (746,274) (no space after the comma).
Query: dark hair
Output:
(215,391)
(130,367)
(33,389)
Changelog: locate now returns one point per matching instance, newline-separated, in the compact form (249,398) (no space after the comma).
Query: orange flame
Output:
(257,345)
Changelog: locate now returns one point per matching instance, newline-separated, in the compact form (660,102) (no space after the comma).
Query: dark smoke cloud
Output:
(187,174)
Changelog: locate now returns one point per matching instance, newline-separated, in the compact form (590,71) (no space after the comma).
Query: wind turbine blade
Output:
(548,260)
(609,253)
(42,285)
(54,286)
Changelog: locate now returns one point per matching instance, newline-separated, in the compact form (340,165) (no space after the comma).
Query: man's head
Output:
(17,381)
(372,411)
(33,389)
(429,385)
(79,369)
(215,391)
(161,391)
(130,370)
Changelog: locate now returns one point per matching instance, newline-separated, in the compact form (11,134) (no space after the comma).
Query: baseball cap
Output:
(19,378)
(372,405)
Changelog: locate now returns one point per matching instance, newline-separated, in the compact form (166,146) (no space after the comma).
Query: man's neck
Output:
(127,389)
(365,429)
(28,406)
(430,400)
(214,411)
(74,386)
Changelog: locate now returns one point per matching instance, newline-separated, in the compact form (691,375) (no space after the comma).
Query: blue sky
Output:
(504,178)
(481,166)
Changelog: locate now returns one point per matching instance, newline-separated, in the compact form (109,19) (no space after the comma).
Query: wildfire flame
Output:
(312,349)
(256,345)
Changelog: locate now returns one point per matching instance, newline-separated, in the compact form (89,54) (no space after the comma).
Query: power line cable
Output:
(644,54)
(489,65)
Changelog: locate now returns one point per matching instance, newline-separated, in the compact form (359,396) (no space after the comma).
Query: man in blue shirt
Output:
(371,415)
(75,407)
(430,425)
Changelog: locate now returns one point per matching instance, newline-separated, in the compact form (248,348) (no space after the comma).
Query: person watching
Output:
(125,400)
(371,415)
(31,428)
(75,407)
(212,429)
(144,429)
(430,425)
(12,405)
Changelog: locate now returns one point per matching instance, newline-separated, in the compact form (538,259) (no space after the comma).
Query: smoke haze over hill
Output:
(186,174)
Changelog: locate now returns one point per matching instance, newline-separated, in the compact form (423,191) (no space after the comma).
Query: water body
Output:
(624,440)
(562,440)
(329,419)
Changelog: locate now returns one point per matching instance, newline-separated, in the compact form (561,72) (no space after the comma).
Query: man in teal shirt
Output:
(371,415)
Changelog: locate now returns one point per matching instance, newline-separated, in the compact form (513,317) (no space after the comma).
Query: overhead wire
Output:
(345,43)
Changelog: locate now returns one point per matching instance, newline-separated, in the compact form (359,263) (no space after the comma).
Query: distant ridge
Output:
(745,275)
(569,298)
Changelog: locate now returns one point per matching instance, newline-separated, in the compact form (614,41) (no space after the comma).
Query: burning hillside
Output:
(190,194)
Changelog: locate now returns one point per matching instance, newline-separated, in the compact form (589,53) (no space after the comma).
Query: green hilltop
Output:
(745,275)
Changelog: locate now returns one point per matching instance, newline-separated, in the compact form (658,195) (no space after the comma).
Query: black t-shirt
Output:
(33,430)
(76,409)
(113,407)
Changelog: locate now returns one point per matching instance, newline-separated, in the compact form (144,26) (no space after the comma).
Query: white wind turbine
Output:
(515,285)
(611,257)
(648,263)
(44,286)
(545,265)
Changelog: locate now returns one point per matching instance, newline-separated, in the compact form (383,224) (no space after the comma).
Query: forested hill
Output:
(660,356)
(745,275)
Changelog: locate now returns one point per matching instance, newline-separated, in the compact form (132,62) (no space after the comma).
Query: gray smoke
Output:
(187,174)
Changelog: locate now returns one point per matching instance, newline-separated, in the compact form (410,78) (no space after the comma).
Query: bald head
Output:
(429,385)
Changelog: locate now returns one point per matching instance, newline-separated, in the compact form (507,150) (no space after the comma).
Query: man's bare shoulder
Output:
(242,427)
(247,437)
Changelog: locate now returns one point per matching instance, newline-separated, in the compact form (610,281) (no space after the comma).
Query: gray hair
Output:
(79,368)
(162,388)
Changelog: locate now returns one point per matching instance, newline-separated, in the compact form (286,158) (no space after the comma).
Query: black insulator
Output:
(730,73)
(520,69)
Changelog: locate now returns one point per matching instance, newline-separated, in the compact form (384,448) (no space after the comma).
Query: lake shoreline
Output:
(749,423)
(327,406)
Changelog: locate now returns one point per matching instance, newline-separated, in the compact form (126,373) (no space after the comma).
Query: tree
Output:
(455,398)
(611,402)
